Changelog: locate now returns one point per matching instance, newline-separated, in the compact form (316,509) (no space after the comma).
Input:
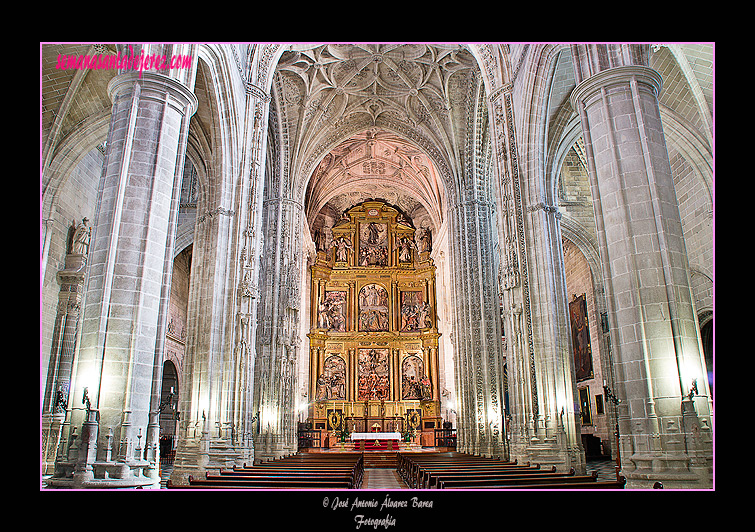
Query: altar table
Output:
(376,441)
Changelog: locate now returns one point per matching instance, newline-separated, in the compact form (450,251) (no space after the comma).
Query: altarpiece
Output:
(373,335)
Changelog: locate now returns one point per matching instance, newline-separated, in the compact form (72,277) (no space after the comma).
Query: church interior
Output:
(400,263)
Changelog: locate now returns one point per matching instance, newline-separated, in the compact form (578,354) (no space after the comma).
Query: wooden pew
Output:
(289,482)
(414,467)
(355,475)
(415,470)
(575,482)
(458,471)
(432,478)
(312,462)
(290,472)
(492,481)
(407,464)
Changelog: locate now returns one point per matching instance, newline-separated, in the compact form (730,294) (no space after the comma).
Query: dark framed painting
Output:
(585,409)
(580,333)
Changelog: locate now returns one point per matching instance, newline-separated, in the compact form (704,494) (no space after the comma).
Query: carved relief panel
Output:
(373,244)
(373,308)
(373,378)
(415,311)
(331,314)
(414,381)
(331,384)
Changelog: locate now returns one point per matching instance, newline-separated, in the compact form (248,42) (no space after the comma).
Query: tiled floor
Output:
(378,479)
(605,467)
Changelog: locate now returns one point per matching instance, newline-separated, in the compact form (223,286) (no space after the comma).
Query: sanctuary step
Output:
(379,459)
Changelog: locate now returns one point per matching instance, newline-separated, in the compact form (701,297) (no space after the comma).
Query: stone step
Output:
(378,459)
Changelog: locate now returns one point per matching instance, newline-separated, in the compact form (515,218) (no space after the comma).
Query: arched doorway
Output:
(169,415)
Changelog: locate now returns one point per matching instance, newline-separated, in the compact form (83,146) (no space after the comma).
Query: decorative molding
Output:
(549,209)
(220,211)
(155,84)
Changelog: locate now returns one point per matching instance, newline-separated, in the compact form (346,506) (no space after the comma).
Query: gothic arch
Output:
(69,153)
(311,159)
(539,67)
(495,64)
(215,150)
(435,200)
(215,127)
(551,397)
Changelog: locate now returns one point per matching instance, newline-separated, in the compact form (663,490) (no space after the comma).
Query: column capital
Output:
(152,83)
(619,74)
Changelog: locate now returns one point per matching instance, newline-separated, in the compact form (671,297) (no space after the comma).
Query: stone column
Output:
(130,261)
(278,336)
(223,299)
(477,330)
(664,414)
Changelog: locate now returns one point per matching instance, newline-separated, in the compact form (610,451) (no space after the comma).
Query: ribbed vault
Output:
(375,164)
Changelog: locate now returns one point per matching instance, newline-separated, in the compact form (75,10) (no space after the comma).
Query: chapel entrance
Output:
(374,334)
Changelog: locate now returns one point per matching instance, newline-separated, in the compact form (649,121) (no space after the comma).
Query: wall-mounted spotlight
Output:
(609,394)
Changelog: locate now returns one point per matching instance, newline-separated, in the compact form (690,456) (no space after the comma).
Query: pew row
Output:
(460,471)
(291,472)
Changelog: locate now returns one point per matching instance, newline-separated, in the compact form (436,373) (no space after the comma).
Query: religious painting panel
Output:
(331,314)
(581,338)
(584,406)
(373,381)
(331,383)
(413,418)
(373,244)
(373,308)
(415,312)
(414,382)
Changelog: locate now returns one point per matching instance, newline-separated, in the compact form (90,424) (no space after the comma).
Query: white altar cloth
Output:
(375,435)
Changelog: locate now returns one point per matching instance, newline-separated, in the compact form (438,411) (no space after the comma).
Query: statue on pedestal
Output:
(80,239)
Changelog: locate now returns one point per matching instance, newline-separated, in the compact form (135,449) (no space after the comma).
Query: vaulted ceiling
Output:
(377,164)
(385,121)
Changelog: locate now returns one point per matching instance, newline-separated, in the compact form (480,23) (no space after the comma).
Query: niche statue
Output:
(79,243)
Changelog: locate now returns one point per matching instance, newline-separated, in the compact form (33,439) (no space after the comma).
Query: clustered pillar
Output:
(664,413)
(130,263)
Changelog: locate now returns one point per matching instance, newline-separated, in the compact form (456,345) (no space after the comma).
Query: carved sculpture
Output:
(80,238)
(342,246)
